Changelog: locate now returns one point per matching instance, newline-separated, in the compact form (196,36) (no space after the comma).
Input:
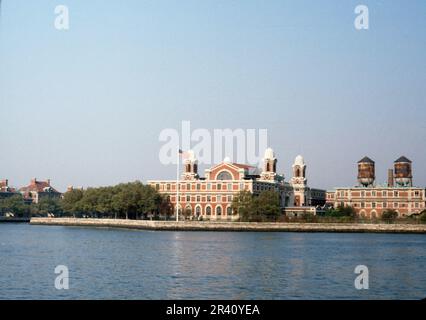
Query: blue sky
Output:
(86,106)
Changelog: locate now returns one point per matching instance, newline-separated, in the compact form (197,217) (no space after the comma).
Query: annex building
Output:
(370,200)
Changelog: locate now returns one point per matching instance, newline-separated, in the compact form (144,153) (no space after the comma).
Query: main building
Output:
(211,196)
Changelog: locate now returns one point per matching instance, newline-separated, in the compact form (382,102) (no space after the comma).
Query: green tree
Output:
(389,215)
(71,202)
(15,205)
(267,205)
(242,204)
(340,212)
(46,206)
(423,216)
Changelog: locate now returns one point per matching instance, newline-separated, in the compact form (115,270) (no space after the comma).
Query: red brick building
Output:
(371,200)
(211,196)
(38,189)
(5,190)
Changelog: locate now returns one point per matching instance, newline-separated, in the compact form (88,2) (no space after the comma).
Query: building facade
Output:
(211,196)
(36,190)
(370,200)
(5,190)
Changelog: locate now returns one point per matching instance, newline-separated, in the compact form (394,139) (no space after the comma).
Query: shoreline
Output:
(232,226)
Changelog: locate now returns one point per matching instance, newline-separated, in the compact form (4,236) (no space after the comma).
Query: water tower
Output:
(403,172)
(366,172)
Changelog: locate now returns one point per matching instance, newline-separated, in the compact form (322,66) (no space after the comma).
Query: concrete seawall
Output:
(232,226)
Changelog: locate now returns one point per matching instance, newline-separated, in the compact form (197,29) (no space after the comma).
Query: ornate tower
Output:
(299,182)
(269,171)
(299,172)
(190,164)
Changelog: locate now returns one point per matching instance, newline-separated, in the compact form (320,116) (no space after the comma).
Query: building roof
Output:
(403,159)
(38,186)
(366,160)
(243,166)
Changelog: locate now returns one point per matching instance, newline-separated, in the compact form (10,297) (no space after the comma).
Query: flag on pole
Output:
(184,155)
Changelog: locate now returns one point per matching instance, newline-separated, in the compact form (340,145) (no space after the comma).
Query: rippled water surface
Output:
(123,264)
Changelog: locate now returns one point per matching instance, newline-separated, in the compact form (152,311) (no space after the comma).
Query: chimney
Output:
(390,178)
(48,182)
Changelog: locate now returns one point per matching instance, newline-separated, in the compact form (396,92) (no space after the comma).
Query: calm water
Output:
(121,264)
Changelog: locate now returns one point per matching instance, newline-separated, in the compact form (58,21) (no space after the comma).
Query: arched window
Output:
(229,211)
(208,211)
(224,175)
(198,211)
(267,167)
(218,210)
(297,172)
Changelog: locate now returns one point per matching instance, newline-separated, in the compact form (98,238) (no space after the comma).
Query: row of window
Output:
(198,186)
(384,205)
(199,199)
(383,194)
(208,211)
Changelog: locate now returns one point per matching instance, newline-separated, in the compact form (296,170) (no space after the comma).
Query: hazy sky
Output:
(86,106)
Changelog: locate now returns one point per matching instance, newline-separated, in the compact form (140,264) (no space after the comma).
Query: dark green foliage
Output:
(423,216)
(130,200)
(341,211)
(263,207)
(389,215)
(15,205)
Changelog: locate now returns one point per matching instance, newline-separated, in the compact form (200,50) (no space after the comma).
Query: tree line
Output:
(124,201)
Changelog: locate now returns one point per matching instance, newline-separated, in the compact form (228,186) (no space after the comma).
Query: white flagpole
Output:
(177,186)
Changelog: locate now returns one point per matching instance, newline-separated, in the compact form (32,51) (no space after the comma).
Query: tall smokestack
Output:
(390,178)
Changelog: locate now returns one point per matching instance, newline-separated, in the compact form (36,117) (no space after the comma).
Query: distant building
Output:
(37,190)
(371,200)
(5,190)
(211,196)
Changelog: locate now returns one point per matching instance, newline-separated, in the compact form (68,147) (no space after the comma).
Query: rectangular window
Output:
(198,186)
(219,186)
(209,199)
(168,187)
